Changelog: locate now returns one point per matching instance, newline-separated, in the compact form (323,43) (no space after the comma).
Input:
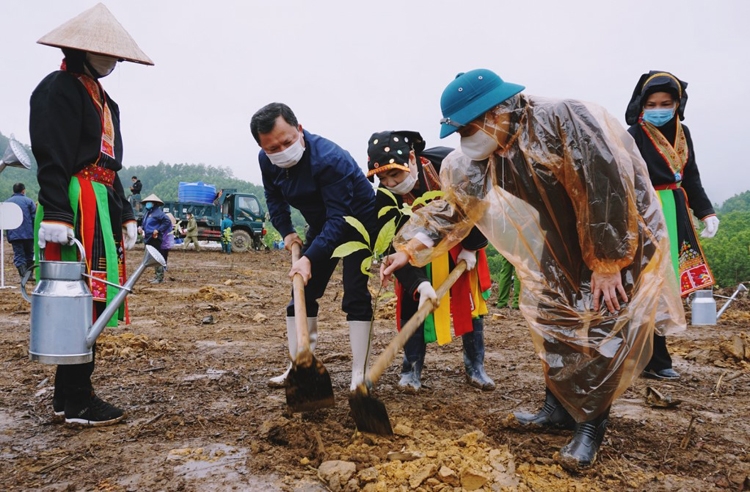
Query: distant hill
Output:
(164,179)
(12,175)
(738,203)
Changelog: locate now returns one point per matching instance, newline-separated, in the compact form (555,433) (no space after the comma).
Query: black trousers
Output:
(356,302)
(660,358)
(74,381)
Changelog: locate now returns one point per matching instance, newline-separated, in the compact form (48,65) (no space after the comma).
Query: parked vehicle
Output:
(245,210)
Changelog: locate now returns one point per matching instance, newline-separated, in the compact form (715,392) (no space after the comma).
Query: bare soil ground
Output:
(191,370)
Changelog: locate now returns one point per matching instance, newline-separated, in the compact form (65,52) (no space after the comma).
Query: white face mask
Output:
(404,186)
(101,63)
(478,146)
(289,156)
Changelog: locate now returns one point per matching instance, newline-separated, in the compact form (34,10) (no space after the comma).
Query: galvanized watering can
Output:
(704,306)
(62,304)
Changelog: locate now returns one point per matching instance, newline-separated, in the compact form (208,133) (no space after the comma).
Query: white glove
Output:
(129,234)
(470,257)
(55,232)
(712,225)
(426,291)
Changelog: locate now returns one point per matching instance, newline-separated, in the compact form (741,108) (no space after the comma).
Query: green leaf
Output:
(386,295)
(430,195)
(385,210)
(385,236)
(348,248)
(389,194)
(360,228)
(365,267)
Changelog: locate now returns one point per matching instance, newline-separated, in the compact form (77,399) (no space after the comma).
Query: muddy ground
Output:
(191,370)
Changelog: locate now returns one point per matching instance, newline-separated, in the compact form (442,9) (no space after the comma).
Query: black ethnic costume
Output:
(670,158)
(75,137)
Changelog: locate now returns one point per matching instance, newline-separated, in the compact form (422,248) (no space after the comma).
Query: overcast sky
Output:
(351,68)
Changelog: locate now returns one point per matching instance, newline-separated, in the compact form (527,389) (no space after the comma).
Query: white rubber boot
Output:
(359,337)
(312,330)
(291,335)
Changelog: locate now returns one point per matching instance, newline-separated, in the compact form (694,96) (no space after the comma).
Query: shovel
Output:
(368,412)
(308,384)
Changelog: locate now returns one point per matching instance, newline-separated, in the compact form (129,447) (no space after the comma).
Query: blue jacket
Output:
(28,208)
(156,219)
(325,186)
(226,222)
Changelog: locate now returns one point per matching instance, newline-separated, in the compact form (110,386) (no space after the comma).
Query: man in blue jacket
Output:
(325,184)
(22,238)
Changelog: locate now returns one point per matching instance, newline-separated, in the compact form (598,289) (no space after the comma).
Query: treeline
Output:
(728,253)
(164,179)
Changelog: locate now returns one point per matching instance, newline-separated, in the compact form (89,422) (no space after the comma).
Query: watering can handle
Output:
(73,240)
(26,277)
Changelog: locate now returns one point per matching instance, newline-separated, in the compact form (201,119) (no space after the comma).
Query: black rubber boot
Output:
(552,414)
(580,453)
(474,357)
(411,368)
(21,270)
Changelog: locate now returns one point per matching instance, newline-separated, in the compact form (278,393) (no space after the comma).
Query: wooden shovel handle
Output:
(386,357)
(300,310)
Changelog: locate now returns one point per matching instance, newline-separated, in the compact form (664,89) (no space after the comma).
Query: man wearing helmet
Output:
(75,136)
(558,187)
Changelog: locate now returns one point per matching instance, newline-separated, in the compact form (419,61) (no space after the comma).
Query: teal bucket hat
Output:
(470,95)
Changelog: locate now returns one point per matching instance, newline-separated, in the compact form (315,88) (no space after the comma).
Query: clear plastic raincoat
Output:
(568,195)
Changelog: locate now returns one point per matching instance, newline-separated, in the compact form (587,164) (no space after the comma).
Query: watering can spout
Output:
(152,258)
(61,330)
(740,288)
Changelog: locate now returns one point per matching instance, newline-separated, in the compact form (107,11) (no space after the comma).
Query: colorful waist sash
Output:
(98,174)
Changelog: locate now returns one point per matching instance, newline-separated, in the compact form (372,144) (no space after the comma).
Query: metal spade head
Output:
(369,413)
(308,386)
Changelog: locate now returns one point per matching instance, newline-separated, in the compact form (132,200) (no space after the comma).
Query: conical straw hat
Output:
(97,31)
(152,198)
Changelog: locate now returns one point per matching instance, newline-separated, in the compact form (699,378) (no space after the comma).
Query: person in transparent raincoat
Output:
(558,187)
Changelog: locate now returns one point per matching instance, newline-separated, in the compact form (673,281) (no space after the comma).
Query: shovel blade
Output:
(370,414)
(309,388)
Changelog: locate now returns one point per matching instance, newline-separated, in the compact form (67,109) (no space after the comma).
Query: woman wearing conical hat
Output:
(156,228)
(75,136)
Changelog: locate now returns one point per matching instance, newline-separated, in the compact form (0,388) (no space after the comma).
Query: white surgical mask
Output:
(404,186)
(289,156)
(101,63)
(478,146)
